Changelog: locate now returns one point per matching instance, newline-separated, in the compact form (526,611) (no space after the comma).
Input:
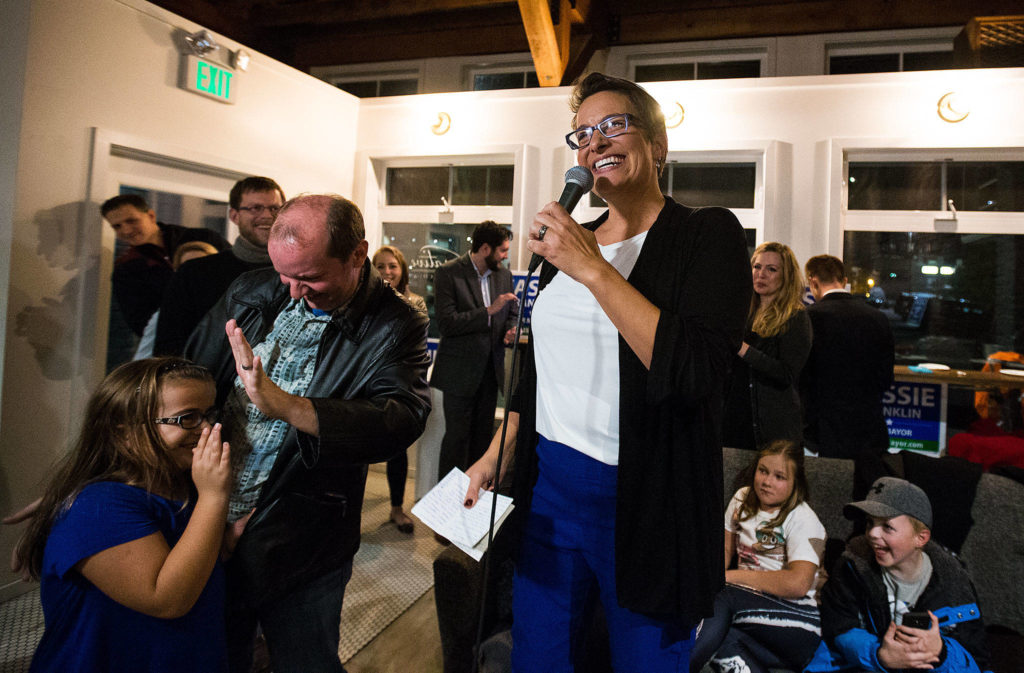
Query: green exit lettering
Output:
(214,80)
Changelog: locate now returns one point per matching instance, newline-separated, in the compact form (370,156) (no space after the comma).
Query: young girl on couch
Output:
(766,615)
(124,544)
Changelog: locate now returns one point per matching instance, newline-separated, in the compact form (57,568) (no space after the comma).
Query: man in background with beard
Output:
(476,313)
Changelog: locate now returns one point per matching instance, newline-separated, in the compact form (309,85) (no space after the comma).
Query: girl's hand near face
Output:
(211,464)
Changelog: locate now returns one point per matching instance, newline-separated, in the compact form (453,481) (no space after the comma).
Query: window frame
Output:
(888,42)
(383,72)
(934,221)
(625,59)
(377,212)
(515,66)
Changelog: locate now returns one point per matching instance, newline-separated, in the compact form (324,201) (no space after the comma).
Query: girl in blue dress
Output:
(124,542)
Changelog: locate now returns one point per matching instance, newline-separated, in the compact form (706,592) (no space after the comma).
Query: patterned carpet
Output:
(391,571)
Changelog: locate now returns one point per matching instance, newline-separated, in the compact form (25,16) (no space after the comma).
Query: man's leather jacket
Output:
(371,398)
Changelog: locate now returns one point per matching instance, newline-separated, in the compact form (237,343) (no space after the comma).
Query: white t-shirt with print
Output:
(801,537)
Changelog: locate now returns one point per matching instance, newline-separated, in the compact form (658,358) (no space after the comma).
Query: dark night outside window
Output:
(995,186)
(505,80)
(460,185)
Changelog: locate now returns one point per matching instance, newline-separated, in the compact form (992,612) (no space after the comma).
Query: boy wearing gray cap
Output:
(896,600)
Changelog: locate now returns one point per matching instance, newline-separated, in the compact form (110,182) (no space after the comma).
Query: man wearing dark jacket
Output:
(321,369)
(143,271)
(196,286)
(848,370)
(476,313)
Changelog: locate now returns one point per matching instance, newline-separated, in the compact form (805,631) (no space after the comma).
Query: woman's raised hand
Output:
(211,464)
(564,243)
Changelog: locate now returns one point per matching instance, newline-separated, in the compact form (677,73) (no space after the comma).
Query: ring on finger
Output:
(247,367)
(543,230)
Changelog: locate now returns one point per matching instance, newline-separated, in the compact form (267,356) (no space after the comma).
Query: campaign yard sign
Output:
(915,414)
(526,293)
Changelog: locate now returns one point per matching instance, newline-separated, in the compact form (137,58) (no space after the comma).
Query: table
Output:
(959,377)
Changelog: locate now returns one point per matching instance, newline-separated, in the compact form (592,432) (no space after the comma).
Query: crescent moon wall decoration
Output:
(674,115)
(952,109)
(444,123)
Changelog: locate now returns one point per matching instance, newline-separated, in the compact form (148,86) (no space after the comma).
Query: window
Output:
(372,88)
(992,186)
(950,281)
(517,79)
(887,51)
(890,62)
(668,72)
(410,217)
(458,185)
(951,298)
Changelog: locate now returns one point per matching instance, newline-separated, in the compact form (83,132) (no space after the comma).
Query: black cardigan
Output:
(764,381)
(669,536)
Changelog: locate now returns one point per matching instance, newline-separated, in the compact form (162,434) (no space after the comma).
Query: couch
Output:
(993,552)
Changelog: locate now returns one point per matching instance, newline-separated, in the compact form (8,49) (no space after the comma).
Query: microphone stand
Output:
(509,387)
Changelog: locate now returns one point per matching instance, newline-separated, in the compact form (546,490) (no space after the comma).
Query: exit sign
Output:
(209,79)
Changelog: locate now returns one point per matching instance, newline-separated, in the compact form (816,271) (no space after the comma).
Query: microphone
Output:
(578,181)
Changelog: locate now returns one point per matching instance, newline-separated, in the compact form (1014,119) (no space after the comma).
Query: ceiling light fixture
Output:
(201,42)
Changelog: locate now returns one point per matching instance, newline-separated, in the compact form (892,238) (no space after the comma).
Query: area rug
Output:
(390,572)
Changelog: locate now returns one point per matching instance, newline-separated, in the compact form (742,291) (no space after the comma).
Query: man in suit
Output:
(476,313)
(849,368)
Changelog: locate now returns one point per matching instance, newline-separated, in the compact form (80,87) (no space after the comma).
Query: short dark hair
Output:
(344,223)
(826,268)
(115,202)
(252,184)
(649,115)
(491,233)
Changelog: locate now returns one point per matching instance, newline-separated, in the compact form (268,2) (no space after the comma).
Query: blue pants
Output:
(302,628)
(568,552)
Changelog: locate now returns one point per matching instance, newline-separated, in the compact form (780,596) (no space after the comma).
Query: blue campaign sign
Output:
(915,414)
(526,298)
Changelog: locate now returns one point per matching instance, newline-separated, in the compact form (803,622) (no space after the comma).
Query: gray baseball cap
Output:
(889,497)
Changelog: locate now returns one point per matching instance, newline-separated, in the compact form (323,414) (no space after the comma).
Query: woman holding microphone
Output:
(616,420)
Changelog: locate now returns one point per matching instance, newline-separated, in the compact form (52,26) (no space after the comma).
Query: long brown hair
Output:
(788,301)
(403,282)
(794,456)
(119,441)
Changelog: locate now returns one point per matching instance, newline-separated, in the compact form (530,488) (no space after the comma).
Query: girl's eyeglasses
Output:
(191,420)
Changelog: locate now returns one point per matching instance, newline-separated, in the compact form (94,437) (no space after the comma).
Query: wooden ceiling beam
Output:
(549,35)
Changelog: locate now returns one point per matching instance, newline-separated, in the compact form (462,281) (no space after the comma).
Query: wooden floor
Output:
(410,645)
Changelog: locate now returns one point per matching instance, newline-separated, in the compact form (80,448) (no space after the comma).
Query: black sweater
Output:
(669,537)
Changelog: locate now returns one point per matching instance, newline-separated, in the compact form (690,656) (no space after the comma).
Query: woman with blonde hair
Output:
(392,267)
(762,404)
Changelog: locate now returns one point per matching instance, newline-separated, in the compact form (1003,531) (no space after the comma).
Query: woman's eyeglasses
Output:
(259,210)
(191,420)
(609,127)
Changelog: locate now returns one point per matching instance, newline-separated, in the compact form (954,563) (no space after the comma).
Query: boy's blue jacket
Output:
(855,610)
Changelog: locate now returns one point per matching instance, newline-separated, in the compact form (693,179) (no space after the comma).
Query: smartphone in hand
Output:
(917,620)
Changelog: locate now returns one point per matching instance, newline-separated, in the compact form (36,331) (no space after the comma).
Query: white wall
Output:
(112,65)
(802,120)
